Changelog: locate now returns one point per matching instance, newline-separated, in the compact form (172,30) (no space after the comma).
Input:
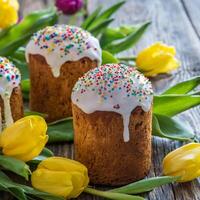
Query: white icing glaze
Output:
(9,79)
(61,43)
(113,87)
(7,109)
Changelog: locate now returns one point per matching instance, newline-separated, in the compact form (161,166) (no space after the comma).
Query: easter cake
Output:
(58,55)
(11,102)
(112,112)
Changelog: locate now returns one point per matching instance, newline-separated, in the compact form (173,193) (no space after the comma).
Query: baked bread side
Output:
(52,95)
(100,146)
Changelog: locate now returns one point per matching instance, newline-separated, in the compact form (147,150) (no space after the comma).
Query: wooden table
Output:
(175,22)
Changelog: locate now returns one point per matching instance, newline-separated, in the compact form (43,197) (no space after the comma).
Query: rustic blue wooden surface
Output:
(175,22)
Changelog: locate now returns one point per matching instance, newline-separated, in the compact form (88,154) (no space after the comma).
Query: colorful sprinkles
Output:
(108,80)
(9,72)
(66,38)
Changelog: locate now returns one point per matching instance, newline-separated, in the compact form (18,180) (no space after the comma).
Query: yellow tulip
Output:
(8,13)
(156,59)
(61,177)
(183,162)
(24,139)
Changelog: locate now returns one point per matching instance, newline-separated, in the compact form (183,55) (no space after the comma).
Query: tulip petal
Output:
(80,182)
(34,150)
(54,182)
(55,170)
(183,162)
(158,58)
(163,63)
(24,138)
(62,164)
(8,13)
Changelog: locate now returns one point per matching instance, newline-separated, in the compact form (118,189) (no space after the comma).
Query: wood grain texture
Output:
(174,22)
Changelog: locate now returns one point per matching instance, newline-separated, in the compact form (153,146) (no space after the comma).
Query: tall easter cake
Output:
(112,110)
(58,55)
(11,102)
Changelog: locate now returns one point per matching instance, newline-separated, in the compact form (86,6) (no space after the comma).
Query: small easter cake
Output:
(112,112)
(11,102)
(58,55)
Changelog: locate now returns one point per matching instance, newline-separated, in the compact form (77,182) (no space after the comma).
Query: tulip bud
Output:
(183,162)
(156,59)
(24,139)
(69,7)
(61,177)
(8,13)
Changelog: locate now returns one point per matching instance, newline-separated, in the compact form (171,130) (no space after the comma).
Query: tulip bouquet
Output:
(22,145)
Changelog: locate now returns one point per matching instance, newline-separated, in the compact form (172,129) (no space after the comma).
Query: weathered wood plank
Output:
(27,6)
(170,24)
(174,22)
(192,11)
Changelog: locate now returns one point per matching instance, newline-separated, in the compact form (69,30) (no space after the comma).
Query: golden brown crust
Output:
(100,146)
(16,104)
(52,95)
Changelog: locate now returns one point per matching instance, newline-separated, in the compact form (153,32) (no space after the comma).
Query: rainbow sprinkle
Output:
(53,37)
(9,72)
(108,80)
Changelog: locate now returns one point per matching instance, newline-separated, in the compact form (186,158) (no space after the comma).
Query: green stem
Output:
(133,58)
(111,195)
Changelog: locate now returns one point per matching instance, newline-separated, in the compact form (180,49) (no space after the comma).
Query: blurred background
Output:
(79,8)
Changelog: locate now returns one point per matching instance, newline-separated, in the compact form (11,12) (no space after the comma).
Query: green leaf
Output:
(28,112)
(107,57)
(17,192)
(195,93)
(20,33)
(46,153)
(184,87)
(25,96)
(3,32)
(25,85)
(100,27)
(171,128)
(145,185)
(171,105)
(4,177)
(7,186)
(39,194)
(132,58)
(127,29)
(17,166)
(112,195)
(22,66)
(129,41)
(14,191)
(111,34)
(19,54)
(105,15)
(61,131)
(88,21)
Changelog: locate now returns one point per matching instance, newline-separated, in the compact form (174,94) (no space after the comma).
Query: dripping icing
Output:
(113,87)
(7,109)
(9,79)
(61,43)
